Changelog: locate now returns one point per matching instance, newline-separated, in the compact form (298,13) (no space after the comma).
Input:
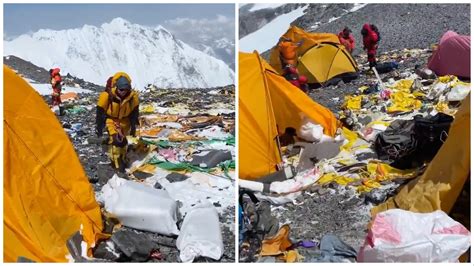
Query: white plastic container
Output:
(140,206)
(200,234)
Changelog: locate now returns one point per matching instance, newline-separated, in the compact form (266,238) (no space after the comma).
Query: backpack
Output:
(409,144)
(397,141)
(257,215)
(431,133)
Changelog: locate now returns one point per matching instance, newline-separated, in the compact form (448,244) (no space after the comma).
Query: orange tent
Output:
(268,104)
(321,56)
(46,194)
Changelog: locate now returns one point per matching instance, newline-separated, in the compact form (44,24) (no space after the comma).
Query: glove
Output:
(119,141)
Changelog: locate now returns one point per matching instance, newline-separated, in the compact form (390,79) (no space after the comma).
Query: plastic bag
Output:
(402,236)
(459,91)
(310,131)
(200,234)
(140,206)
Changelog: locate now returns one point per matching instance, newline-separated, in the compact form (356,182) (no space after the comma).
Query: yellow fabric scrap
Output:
(368,185)
(418,94)
(363,88)
(351,136)
(179,136)
(384,123)
(461,83)
(346,161)
(383,171)
(403,102)
(341,180)
(442,107)
(152,132)
(403,85)
(147,168)
(353,102)
(277,244)
(148,108)
(363,146)
(292,256)
(447,79)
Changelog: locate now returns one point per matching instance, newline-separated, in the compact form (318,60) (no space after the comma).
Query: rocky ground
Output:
(400,25)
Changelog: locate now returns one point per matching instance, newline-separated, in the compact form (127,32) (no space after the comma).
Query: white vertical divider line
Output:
(236,106)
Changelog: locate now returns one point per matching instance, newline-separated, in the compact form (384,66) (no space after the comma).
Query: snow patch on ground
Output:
(333,19)
(256,7)
(45,89)
(266,37)
(357,7)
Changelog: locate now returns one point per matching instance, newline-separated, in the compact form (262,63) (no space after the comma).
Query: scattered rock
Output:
(176,177)
(136,246)
(106,250)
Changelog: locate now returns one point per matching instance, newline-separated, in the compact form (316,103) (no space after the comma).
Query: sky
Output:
(67,16)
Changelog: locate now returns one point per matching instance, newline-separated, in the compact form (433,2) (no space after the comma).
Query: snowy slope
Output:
(221,48)
(256,7)
(45,89)
(267,36)
(150,56)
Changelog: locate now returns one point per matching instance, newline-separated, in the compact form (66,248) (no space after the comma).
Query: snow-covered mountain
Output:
(223,49)
(149,55)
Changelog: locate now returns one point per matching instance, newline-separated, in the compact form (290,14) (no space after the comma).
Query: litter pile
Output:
(318,208)
(176,200)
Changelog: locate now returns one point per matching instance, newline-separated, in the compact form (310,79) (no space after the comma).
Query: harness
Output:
(116,120)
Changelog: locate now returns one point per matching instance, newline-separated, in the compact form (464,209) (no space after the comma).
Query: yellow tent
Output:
(442,182)
(268,104)
(321,56)
(46,194)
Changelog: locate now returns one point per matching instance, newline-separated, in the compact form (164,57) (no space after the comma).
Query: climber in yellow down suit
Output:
(117,109)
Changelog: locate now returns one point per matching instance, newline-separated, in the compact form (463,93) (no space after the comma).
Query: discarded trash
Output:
(210,159)
(76,110)
(140,206)
(402,236)
(459,91)
(335,250)
(277,244)
(200,234)
(69,96)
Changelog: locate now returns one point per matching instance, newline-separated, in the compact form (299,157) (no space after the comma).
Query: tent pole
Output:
(277,140)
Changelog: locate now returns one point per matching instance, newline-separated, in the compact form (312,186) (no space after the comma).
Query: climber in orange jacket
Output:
(117,109)
(288,52)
